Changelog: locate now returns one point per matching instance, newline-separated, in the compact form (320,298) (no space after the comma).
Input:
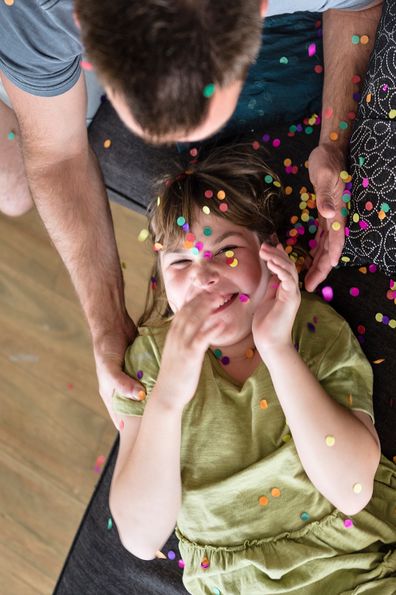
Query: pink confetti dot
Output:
(385,87)
(243,297)
(354,291)
(372,268)
(348,523)
(312,244)
(276,142)
(327,293)
(208,193)
(311,49)
(365,182)
(86,65)
(363,225)
(193,152)
(255,145)
(346,231)
(223,207)
(199,245)
(328,112)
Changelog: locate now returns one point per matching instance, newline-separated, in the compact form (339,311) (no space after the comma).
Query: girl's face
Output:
(186,275)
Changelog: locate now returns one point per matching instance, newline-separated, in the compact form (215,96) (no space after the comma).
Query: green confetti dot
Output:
(309,130)
(209,90)
(385,207)
(218,352)
(343,125)
(180,221)
(195,251)
(355,39)
(344,212)
(109,523)
(207,231)
(346,197)
(293,128)
(361,160)
(312,229)
(268,179)
(11,135)
(284,60)
(304,516)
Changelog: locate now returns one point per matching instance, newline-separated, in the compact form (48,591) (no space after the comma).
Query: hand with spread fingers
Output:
(325,165)
(274,317)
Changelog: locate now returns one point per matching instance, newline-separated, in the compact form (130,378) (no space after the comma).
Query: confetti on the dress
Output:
(263,500)
(354,291)
(9,2)
(275,492)
(205,563)
(348,523)
(223,207)
(208,193)
(221,195)
(263,404)
(99,463)
(365,182)
(355,39)
(304,516)
(143,235)
(206,209)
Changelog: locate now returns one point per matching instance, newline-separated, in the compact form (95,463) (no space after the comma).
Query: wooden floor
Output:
(53,423)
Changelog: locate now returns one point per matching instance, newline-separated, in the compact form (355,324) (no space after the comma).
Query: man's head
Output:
(173,69)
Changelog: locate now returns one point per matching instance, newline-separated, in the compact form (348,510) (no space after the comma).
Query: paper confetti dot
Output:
(330,440)
(355,39)
(284,60)
(180,221)
(354,291)
(234,263)
(333,135)
(207,254)
(343,125)
(365,182)
(9,2)
(107,143)
(263,500)
(209,90)
(109,523)
(275,492)
(318,68)
(356,79)
(218,353)
(139,374)
(171,555)
(327,293)
(143,235)
(368,97)
(208,193)
(379,317)
(207,231)
(357,488)
(206,210)
(85,65)
(216,591)
(336,225)
(249,354)
(223,207)
(311,49)
(11,135)
(263,404)
(328,112)
(221,195)
(225,360)
(348,523)
(344,175)
(141,395)
(205,563)
(364,39)
(304,516)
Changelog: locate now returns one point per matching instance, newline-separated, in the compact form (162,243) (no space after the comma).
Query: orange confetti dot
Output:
(288,190)
(294,219)
(363,270)
(287,162)
(263,404)
(141,395)
(333,136)
(349,400)
(221,195)
(364,39)
(381,215)
(378,361)
(275,492)
(249,353)
(263,500)
(9,2)
(107,143)
(368,97)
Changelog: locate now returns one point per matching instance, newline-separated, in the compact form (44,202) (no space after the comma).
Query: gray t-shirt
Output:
(40,46)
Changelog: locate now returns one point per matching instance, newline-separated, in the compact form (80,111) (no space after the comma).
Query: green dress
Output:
(251,521)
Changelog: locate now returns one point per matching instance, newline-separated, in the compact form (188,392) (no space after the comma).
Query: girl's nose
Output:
(205,276)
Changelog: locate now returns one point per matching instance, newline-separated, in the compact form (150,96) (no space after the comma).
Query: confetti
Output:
(357,488)
(207,231)
(171,555)
(109,523)
(364,39)
(328,112)
(263,500)
(378,361)
(354,291)
(11,135)
(333,135)
(221,195)
(284,60)
(208,193)
(85,65)
(249,353)
(139,374)
(180,221)
(336,225)
(225,360)
(160,555)
(107,143)
(365,182)
(9,2)
(141,395)
(209,90)
(311,49)
(243,297)
(143,235)
(355,39)
(223,207)
(330,440)
(206,209)
(205,563)
(304,516)
(348,523)
(275,492)
(263,404)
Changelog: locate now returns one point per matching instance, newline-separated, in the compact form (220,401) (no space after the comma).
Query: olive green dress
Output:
(251,521)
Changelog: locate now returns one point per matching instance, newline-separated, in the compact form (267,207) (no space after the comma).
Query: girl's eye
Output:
(225,249)
(176,262)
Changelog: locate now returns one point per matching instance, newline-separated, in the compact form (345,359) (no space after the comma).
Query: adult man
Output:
(145,42)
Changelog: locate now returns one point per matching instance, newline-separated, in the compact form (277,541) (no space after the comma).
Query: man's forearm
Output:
(344,60)
(145,496)
(313,415)
(71,199)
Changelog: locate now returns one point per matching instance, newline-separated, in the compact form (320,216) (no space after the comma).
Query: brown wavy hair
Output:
(253,203)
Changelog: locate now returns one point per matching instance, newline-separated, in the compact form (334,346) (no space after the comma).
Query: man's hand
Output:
(325,165)
(109,352)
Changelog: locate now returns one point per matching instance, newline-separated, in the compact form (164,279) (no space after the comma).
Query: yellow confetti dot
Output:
(286,438)
(288,190)
(349,400)
(364,39)
(277,184)
(229,254)
(143,235)
(107,143)
(263,404)
(275,492)
(263,500)
(234,263)
(305,217)
(355,217)
(221,195)
(344,175)
(345,258)
(249,353)
(336,225)
(158,201)
(357,488)
(379,317)
(287,162)
(381,215)
(304,196)
(330,440)
(206,210)
(392,114)
(333,136)
(392,323)
(303,205)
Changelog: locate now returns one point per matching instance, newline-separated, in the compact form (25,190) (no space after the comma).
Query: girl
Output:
(256,436)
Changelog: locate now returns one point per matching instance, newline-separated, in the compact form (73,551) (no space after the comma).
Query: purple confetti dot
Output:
(225,360)
(327,293)
(299,127)
(171,555)
(186,227)
(361,339)
(385,319)
(139,374)
(357,96)
(266,138)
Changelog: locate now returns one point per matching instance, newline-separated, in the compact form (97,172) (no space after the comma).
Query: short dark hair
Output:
(160,55)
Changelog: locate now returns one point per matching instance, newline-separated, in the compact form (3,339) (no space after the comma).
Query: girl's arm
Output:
(312,415)
(145,494)
(344,471)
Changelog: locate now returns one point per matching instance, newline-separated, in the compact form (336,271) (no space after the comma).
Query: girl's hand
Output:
(191,332)
(274,316)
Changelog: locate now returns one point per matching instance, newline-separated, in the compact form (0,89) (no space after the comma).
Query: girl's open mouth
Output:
(226,303)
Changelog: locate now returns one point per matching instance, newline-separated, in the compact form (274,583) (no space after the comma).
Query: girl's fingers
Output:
(286,277)
(284,263)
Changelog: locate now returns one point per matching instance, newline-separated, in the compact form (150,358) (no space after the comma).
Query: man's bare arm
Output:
(69,193)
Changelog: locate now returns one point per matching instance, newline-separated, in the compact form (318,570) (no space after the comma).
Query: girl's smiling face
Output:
(185,275)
